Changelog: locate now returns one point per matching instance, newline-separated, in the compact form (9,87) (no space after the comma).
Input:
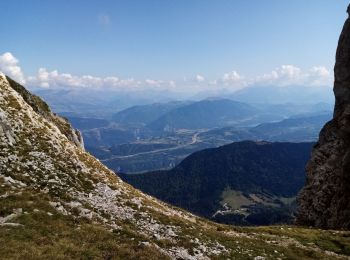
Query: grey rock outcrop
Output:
(325,200)
(40,107)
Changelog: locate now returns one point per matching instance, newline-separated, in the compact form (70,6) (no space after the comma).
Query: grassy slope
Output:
(62,237)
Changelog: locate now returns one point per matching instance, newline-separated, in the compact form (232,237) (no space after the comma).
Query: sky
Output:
(175,44)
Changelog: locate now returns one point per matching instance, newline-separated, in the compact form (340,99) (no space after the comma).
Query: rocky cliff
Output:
(325,200)
(40,107)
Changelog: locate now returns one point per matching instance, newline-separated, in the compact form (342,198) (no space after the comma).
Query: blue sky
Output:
(171,40)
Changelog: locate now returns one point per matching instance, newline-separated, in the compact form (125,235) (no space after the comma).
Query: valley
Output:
(135,147)
(144,155)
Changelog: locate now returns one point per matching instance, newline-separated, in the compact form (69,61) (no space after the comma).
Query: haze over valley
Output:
(160,135)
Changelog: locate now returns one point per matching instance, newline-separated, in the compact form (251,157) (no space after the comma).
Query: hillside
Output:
(59,202)
(295,129)
(240,183)
(145,114)
(205,114)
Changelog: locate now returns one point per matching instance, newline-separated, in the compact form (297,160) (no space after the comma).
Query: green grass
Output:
(67,237)
(64,237)
(327,240)
(235,199)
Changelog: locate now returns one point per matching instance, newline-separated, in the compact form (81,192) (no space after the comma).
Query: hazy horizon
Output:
(191,49)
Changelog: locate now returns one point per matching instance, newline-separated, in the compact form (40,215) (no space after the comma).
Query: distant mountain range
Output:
(295,129)
(98,103)
(160,135)
(286,94)
(104,104)
(212,113)
(146,114)
(121,149)
(240,183)
(206,114)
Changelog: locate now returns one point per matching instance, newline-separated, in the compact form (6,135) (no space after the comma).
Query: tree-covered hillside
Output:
(242,180)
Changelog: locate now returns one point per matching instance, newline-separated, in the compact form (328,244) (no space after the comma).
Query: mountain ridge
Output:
(44,110)
(195,115)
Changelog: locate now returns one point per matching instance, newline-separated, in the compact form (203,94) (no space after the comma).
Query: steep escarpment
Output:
(325,200)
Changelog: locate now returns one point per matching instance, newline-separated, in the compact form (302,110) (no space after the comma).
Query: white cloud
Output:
(155,83)
(284,75)
(54,79)
(287,75)
(9,66)
(322,72)
(232,76)
(231,80)
(320,76)
(199,78)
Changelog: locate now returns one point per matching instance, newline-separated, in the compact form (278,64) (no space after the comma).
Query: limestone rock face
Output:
(325,200)
(40,107)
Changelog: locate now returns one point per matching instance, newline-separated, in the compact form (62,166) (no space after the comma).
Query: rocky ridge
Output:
(44,110)
(59,202)
(325,200)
